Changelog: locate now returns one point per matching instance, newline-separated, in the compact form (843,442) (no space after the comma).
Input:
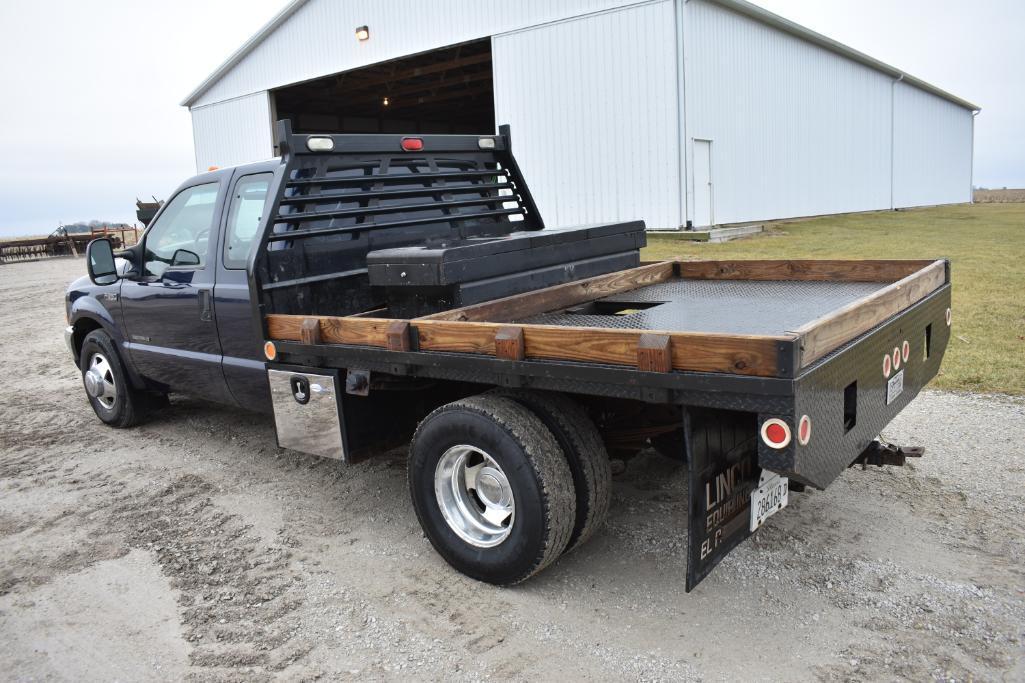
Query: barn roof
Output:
(741,6)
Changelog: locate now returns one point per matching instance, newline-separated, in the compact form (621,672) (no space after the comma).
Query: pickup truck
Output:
(373,290)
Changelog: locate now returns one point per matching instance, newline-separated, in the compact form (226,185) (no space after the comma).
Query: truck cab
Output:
(177,314)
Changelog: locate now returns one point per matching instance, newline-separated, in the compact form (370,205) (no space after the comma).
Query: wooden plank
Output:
(654,353)
(509,343)
(397,336)
(560,296)
(309,331)
(836,328)
(737,354)
(333,329)
(740,354)
(814,270)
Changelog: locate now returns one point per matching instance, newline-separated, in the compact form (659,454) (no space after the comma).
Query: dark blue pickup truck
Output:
(178,316)
(374,290)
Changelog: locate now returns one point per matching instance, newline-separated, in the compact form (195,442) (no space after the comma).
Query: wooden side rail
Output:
(736,354)
(807,270)
(836,328)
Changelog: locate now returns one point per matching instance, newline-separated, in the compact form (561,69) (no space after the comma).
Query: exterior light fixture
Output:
(385,101)
(362,33)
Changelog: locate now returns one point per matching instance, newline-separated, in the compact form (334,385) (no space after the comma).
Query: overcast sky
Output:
(89,115)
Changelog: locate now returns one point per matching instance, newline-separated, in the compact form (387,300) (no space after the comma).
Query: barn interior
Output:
(448,90)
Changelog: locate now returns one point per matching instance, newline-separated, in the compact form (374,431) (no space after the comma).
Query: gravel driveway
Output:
(193,547)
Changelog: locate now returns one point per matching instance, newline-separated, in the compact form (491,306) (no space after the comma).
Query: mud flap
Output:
(722,471)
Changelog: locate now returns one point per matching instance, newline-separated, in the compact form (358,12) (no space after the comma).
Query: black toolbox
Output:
(426,278)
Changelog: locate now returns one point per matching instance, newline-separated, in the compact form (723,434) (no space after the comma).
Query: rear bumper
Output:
(845,394)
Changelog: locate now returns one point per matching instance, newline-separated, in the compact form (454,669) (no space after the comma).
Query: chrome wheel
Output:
(99,381)
(474,496)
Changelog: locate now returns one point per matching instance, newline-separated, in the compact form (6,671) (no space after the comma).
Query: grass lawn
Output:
(986,246)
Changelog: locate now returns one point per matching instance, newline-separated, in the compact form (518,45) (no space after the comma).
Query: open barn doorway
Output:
(449,90)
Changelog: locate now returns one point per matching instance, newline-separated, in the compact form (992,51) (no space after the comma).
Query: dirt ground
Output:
(192,547)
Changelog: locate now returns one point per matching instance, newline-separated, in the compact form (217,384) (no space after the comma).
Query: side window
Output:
(247,204)
(181,235)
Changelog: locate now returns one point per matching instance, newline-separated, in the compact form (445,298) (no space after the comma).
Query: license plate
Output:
(894,387)
(768,499)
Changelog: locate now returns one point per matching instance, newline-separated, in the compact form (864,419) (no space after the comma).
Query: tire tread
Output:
(590,461)
(545,457)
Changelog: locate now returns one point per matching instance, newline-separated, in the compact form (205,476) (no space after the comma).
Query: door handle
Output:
(206,313)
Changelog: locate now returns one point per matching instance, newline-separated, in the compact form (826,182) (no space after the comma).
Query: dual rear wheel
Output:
(505,482)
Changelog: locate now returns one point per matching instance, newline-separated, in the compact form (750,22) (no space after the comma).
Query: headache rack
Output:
(369,192)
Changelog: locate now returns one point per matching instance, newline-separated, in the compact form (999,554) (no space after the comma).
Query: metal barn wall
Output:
(593,105)
(232,132)
(932,155)
(319,39)
(796,130)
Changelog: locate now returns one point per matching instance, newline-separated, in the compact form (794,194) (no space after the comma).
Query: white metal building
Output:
(674,111)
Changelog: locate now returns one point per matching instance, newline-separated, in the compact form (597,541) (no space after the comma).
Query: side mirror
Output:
(99,259)
(184,257)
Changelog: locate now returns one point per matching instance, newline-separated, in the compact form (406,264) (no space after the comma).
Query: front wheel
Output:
(112,397)
(491,488)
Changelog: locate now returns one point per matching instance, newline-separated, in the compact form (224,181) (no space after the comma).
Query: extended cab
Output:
(176,315)
(372,290)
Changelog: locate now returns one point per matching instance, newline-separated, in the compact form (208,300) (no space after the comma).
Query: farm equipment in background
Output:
(60,242)
(145,211)
(127,235)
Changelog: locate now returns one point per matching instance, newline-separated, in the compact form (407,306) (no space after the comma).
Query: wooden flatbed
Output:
(704,316)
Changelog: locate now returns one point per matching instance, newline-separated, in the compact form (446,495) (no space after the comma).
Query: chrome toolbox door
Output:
(307,410)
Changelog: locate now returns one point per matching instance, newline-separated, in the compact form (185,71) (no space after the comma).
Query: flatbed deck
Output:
(761,318)
(714,307)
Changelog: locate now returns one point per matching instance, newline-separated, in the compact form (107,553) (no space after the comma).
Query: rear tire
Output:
(106,383)
(491,488)
(585,453)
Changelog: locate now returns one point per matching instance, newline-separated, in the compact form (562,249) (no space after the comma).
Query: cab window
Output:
(181,235)
(247,206)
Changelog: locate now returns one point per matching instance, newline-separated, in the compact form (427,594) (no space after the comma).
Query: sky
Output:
(90,89)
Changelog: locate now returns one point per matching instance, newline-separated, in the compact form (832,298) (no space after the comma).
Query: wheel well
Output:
(82,329)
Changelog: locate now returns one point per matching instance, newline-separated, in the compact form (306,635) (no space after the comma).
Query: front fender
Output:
(86,314)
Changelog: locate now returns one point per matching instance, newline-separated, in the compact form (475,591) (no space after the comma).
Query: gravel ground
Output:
(192,547)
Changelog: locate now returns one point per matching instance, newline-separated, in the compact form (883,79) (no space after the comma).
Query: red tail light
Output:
(412,144)
(775,433)
(905,350)
(886,366)
(896,358)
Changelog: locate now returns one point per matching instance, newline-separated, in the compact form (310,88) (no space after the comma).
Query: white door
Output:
(704,215)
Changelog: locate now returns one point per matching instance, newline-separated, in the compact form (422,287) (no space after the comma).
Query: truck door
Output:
(168,305)
(242,349)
